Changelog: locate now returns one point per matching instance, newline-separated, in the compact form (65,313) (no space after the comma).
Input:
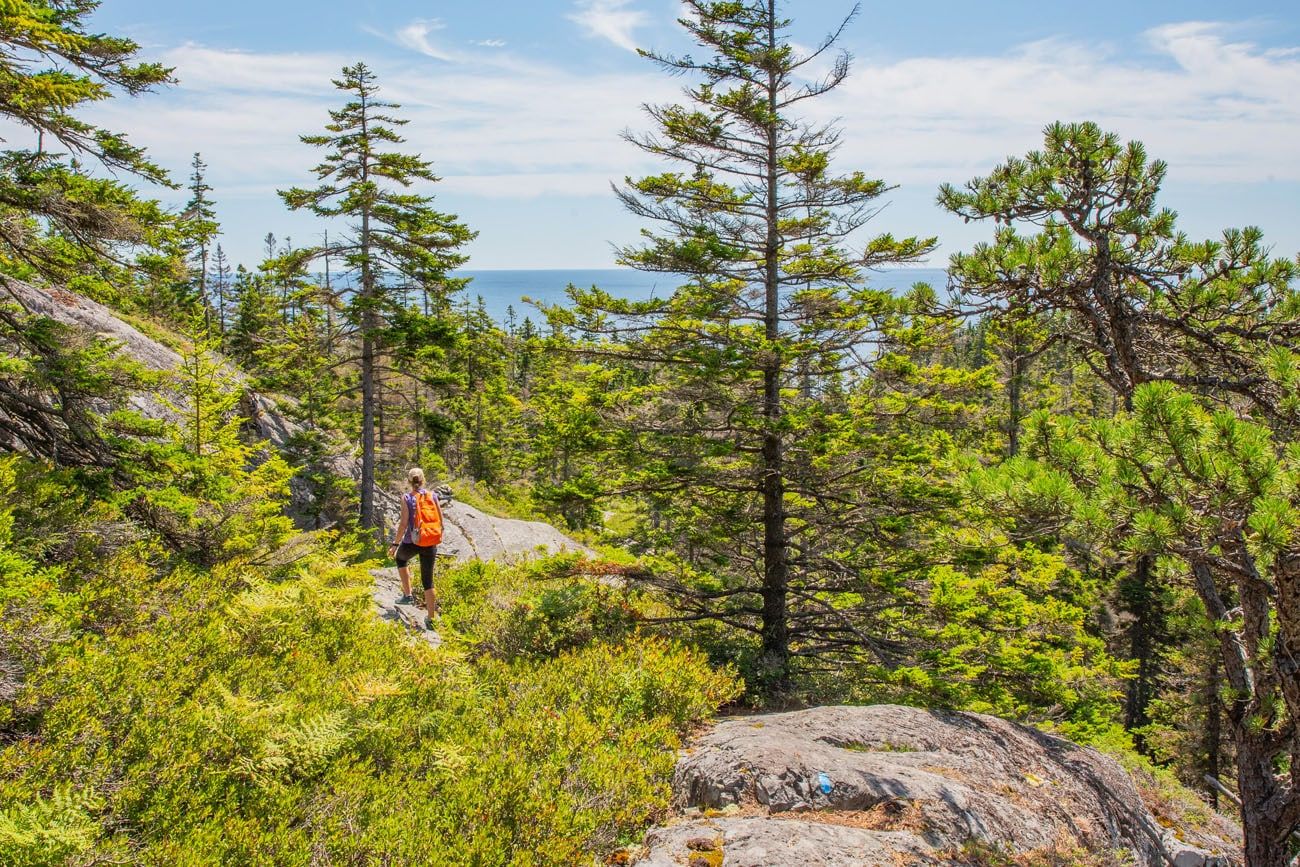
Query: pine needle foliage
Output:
(731,395)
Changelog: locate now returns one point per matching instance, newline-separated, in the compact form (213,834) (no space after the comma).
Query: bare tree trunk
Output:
(775,655)
(1015,400)
(417,424)
(1265,841)
(368,518)
(1142,648)
(329,298)
(369,328)
(1143,641)
(382,434)
(221,311)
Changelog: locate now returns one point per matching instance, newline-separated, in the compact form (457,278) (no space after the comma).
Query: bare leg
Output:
(404,572)
(427,560)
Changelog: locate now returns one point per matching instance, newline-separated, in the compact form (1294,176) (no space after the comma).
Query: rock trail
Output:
(889,785)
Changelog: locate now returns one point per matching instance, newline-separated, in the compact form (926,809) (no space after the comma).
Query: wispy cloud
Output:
(205,70)
(504,126)
(415,36)
(418,36)
(1215,109)
(610,19)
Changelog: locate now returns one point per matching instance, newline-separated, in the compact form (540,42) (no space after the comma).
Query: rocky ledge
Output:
(890,785)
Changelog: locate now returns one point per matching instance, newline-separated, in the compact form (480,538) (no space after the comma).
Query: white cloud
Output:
(502,126)
(415,36)
(204,70)
(1216,110)
(493,125)
(610,19)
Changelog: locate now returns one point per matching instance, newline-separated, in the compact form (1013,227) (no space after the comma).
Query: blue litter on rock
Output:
(824,783)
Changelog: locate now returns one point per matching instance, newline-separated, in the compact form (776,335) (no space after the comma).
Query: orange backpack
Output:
(428,520)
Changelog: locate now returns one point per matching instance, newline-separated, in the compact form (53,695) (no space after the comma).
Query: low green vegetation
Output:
(254,714)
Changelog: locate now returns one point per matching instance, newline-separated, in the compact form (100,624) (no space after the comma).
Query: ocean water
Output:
(503,289)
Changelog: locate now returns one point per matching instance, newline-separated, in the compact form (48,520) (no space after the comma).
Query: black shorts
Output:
(427,555)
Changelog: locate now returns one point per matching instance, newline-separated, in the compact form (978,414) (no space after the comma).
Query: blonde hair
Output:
(415,477)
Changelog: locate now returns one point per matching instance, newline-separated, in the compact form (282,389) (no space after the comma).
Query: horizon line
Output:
(922,267)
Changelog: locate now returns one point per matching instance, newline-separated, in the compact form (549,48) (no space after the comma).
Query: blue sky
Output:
(519,104)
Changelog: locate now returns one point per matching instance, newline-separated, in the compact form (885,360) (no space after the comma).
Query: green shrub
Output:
(537,609)
(49,831)
(556,619)
(258,721)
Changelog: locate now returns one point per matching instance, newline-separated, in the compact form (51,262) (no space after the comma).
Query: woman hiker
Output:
(418,533)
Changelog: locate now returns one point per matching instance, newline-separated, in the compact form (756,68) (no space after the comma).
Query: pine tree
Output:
(200,224)
(52,67)
(1111,278)
(391,231)
(761,228)
(1117,282)
(1192,484)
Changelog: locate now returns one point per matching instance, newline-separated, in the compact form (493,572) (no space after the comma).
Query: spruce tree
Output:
(59,224)
(391,232)
(766,237)
(221,499)
(200,226)
(253,317)
(221,289)
(52,66)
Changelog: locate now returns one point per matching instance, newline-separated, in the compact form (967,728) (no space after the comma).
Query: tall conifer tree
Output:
(767,235)
(200,228)
(390,231)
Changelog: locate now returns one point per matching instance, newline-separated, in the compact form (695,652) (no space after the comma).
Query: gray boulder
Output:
(91,316)
(873,785)
(103,324)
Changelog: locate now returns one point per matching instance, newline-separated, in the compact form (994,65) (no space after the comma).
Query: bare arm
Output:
(401,527)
